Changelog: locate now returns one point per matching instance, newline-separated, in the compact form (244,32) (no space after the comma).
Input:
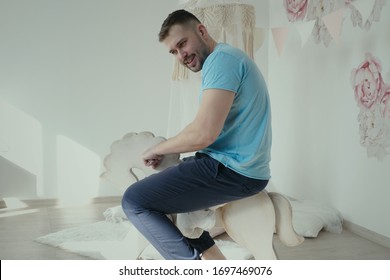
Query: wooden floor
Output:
(19,228)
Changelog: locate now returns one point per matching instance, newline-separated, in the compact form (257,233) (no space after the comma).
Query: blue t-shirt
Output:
(244,144)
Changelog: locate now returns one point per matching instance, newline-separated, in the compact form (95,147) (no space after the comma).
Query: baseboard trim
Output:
(40,202)
(107,199)
(367,234)
(2,204)
(48,202)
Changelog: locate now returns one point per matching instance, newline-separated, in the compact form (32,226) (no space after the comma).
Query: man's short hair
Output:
(181,17)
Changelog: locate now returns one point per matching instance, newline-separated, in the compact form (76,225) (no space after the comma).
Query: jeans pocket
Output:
(253,186)
(208,164)
(248,186)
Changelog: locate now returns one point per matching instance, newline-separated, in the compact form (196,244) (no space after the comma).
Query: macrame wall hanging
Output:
(229,22)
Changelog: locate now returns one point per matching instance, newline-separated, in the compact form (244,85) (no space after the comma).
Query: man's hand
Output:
(150,158)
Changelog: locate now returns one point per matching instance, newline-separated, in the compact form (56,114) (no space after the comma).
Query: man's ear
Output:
(202,31)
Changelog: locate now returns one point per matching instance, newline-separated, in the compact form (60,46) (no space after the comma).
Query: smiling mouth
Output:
(190,60)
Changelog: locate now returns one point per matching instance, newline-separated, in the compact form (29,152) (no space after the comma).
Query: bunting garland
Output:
(280,35)
(324,19)
(305,29)
(321,19)
(333,23)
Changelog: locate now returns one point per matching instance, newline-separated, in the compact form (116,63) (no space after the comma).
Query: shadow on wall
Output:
(21,152)
(78,171)
(16,181)
(73,168)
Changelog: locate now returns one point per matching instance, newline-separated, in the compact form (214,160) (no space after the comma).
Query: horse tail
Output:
(283,220)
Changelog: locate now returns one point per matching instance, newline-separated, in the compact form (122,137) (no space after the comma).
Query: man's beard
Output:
(200,57)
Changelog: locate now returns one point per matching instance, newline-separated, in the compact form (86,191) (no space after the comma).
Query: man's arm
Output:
(201,132)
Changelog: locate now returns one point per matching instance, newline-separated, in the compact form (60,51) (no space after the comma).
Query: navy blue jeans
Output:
(197,183)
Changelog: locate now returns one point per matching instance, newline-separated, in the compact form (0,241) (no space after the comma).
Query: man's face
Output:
(188,46)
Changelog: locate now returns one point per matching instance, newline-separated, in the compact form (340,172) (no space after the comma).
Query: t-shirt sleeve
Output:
(222,71)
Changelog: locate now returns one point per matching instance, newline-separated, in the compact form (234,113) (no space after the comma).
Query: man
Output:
(231,134)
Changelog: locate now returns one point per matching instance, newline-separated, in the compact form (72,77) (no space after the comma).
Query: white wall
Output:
(89,70)
(316,149)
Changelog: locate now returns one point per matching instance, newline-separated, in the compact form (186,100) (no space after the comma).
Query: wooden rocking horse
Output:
(250,222)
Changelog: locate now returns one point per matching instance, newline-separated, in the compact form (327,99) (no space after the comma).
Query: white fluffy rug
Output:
(114,240)
(107,240)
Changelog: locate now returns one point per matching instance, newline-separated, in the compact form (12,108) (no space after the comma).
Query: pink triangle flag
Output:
(333,23)
(279,34)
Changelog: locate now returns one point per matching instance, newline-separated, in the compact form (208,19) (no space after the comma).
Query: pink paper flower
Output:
(373,97)
(367,82)
(296,9)
(374,133)
(385,102)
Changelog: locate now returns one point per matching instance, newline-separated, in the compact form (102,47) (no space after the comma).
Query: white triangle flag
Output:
(305,30)
(333,23)
(365,7)
(279,34)
(259,35)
